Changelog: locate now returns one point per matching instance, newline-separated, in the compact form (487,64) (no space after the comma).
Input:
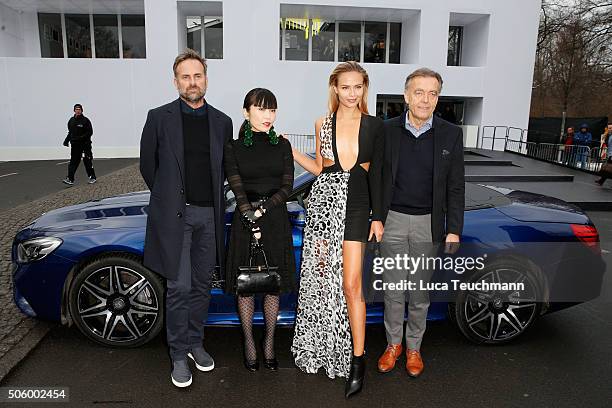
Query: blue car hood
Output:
(122,211)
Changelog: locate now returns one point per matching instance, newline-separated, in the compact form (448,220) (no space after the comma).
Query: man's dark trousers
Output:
(78,149)
(188,295)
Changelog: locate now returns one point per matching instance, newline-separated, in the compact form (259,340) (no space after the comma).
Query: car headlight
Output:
(36,249)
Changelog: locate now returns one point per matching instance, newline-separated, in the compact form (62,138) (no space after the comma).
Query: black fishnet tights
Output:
(270,307)
(246,309)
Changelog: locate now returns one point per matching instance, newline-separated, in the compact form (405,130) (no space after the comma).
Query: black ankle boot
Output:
(354,382)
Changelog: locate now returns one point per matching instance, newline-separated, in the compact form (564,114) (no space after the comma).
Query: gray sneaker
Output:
(203,360)
(91,180)
(181,374)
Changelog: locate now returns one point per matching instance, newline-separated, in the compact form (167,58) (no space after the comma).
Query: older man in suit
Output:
(181,155)
(423,184)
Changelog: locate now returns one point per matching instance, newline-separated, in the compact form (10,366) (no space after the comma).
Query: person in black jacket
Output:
(181,155)
(79,137)
(423,204)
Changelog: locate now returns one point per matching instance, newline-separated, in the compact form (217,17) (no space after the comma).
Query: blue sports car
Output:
(82,265)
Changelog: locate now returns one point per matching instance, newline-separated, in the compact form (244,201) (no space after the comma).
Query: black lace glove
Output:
(248,219)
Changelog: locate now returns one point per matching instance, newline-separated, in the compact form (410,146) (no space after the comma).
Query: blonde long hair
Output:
(349,66)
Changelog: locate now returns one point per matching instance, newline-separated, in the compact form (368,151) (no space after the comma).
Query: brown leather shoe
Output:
(414,363)
(386,362)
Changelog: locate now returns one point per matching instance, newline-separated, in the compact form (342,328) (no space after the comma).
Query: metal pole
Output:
(562,126)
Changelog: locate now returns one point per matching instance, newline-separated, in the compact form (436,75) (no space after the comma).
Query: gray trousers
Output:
(188,296)
(406,235)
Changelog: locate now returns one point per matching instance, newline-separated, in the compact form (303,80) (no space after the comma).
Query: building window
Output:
(91,36)
(50,33)
(389,106)
(133,36)
(213,38)
(450,109)
(205,35)
(375,46)
(468,38)
(349,42)
(106,35)
(395,41)
(78,35)
(295,38)
(323,40)
(194,33)
(455,37)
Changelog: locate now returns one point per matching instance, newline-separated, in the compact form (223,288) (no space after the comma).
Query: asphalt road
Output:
(564,360)
(23,181)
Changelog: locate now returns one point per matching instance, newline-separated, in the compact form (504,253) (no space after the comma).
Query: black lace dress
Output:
(262,170)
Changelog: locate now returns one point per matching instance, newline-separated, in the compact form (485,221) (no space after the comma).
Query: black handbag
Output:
(254,279)
(373,246)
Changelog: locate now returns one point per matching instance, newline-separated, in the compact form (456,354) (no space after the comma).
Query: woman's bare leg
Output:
(352,255)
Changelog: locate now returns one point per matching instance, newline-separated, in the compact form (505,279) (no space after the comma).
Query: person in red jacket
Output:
(569,158)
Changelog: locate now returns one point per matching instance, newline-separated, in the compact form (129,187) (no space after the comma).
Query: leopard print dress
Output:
(322,334)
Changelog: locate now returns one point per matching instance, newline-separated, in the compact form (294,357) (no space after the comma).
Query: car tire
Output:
(115,301)
(498,317)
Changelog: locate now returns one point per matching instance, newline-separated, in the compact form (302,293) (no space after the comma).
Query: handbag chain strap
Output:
(260,247)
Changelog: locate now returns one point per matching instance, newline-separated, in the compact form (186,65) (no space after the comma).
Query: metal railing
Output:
(577,157)
(303,143)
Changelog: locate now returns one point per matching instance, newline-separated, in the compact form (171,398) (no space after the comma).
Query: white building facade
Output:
(115,58)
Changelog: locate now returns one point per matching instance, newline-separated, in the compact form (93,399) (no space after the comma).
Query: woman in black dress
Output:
(331,313)
(259,169)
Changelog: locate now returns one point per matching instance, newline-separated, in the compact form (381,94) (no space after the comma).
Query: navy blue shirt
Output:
(413,189)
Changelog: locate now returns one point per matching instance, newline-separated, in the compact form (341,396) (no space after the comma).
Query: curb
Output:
(18,352)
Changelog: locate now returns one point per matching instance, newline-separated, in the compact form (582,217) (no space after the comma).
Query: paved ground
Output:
(562,362)
(24,181)
(15,328)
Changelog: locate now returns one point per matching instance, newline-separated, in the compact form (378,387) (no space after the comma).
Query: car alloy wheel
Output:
(495,317)
(116,301)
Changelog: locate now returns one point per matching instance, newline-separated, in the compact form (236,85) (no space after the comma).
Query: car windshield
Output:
(300,176)
(480,196)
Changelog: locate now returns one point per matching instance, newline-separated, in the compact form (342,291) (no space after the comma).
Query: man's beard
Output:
(193,96)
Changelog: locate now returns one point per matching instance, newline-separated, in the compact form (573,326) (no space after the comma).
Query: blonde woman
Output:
(349,155)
